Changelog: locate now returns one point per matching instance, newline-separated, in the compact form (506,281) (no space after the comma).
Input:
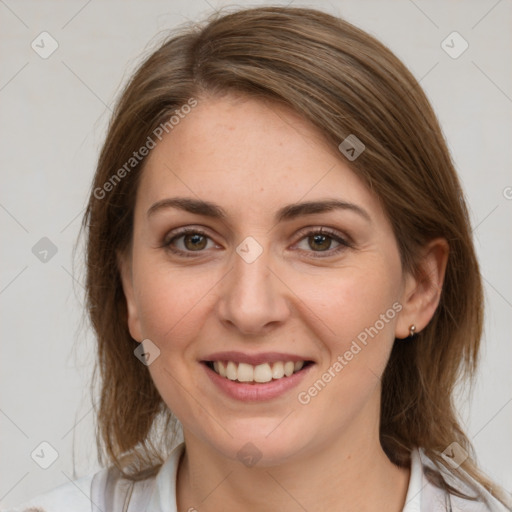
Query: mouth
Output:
(256,374)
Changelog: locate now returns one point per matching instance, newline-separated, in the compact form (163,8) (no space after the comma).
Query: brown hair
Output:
(344,82)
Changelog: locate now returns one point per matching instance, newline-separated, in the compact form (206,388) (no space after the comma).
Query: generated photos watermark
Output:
(144,150)
(361,341)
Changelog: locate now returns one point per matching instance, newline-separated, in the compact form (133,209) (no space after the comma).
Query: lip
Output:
(257,392)
(254,359)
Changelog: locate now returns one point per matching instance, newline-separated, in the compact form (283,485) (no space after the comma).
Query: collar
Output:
(163,498)
(422,495)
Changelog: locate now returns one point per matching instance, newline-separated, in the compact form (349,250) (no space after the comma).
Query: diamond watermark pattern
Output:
(351,147)
(455,455)
(249,455)
(249,250)
(454,45)
(44,455)
(44,250)
(44,45)
(147,352)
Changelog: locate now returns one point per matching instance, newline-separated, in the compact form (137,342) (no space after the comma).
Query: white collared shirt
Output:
(103,492)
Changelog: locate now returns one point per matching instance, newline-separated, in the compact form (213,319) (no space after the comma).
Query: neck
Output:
(330,477)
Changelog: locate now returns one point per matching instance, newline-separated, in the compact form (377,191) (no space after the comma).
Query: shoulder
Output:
(108,491)
(469,495)
(71,496)
(105,490)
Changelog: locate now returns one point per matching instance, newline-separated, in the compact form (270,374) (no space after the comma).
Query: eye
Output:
(193,240)
(188,240)
(321,241)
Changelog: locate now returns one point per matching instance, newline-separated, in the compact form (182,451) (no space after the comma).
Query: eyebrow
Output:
(289,212)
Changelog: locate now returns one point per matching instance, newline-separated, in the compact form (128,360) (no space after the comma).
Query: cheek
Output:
(168,301)
(171,308)
(358,311)
(353,302)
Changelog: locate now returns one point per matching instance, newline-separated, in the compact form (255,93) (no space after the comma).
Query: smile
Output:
(261,373)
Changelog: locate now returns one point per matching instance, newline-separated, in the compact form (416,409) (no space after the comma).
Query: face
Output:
(243,264)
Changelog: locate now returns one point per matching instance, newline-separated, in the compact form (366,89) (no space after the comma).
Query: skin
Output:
(252,158)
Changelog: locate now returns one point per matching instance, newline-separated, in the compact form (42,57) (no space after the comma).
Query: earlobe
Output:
(422,292)
(125,272)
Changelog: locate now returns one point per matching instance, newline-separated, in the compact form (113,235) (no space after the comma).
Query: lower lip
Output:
(257,392)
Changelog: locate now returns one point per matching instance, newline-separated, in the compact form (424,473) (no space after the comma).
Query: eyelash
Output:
(344,244)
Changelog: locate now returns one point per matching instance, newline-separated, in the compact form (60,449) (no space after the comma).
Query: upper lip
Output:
(254,359)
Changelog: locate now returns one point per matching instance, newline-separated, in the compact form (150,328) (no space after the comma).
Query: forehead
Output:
(248,152)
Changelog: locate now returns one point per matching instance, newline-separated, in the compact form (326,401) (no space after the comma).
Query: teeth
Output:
(262,373)
(231,371)
(265,372)
(288,368)
(278,370)
(245,372)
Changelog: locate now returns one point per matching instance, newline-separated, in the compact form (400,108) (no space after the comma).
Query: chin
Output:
(261,443)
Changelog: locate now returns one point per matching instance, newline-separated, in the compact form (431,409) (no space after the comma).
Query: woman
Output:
(280,268)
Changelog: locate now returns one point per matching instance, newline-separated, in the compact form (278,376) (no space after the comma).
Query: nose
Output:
(253,299)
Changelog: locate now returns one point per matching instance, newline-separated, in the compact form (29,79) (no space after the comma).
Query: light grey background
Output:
(54,116)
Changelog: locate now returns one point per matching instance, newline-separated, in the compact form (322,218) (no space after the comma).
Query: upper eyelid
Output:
(301,234)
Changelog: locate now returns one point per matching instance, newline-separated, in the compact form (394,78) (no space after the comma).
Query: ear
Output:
(124,264)
(422,291)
